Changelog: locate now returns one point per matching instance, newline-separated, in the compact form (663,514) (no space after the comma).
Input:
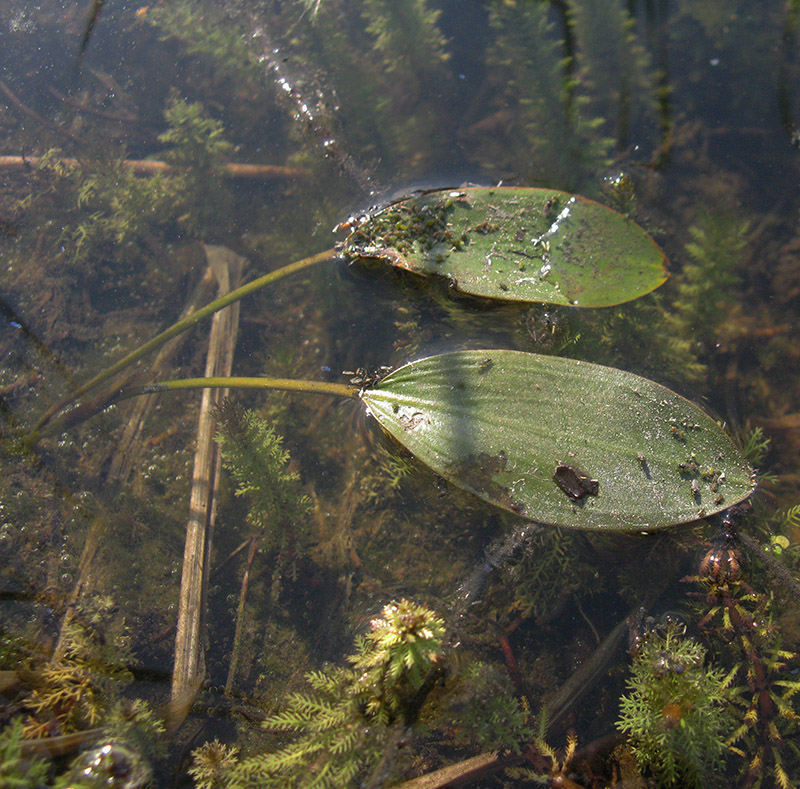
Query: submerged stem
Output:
(177,328)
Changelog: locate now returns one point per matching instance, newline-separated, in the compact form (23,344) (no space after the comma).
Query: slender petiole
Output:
(175,329)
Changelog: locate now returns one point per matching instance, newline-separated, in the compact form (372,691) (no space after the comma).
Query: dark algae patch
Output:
(402,229)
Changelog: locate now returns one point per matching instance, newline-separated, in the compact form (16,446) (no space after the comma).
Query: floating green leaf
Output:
(517,244)
(562,442)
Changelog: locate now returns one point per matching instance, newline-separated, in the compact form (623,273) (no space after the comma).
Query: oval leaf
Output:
(561,441)
(517,244)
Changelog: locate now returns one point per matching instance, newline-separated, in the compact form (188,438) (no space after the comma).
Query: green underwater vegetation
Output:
(18,771)
(113,208)
(561,140)
(255,456)
(674,710)
(365,621)
(352,716)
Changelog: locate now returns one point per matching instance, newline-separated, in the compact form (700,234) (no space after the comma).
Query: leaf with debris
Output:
(561,441)
(515,244)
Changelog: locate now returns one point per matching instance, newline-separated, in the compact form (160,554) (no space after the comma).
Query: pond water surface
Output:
(322,608)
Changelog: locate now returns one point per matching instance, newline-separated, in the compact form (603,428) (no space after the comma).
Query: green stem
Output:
(238,382)
(177,328)
(84,412)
